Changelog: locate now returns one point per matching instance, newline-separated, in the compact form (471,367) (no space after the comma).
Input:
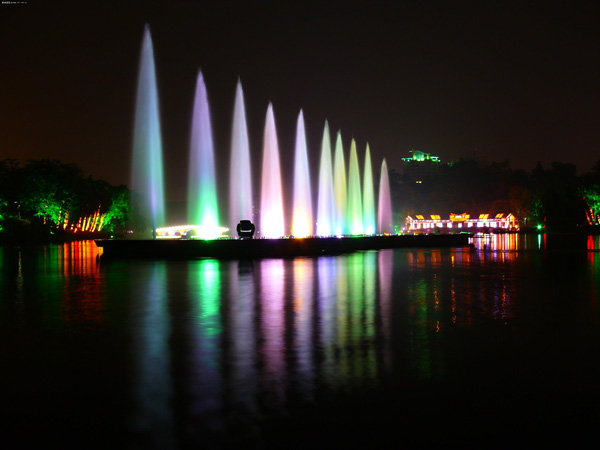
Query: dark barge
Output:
(269,248)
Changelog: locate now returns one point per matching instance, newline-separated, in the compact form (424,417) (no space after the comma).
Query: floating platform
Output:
(269,248)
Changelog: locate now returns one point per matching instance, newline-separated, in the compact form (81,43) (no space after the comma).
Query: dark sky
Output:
(516,81)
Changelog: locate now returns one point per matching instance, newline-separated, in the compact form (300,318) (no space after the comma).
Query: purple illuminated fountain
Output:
(202,185)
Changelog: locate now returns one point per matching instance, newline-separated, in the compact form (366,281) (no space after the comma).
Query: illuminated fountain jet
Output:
(368,196)
(385,223)
(339,187)
(240,179)
(271,197)
(354,200)
(202,187)
(147,164)
(326,202)
(302,220)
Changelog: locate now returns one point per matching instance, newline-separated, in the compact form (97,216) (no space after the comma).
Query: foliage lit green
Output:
(590,191)
(46,194)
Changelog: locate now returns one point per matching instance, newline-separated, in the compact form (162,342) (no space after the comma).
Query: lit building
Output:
(421,223)
(420,165)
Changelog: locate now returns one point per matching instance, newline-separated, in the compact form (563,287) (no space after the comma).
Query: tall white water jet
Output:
(368,196)
(147,166)
(240,178)
(202,186)
(385,222)
(354,205)
(302,220)
(326,202)
(340,192)
(271,197)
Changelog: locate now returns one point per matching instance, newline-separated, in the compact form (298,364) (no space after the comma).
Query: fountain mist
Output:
(240,179)
(302,221)
(271,197)
(147,165)
(368,196)
(385,223)
(202,187)
(355,214)
(326,204)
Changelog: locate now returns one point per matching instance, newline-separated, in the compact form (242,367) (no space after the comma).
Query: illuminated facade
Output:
(421,223)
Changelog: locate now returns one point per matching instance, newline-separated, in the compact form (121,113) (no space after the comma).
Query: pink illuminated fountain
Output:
(271,196)
(385,223)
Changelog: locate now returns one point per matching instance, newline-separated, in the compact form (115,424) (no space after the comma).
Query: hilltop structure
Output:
(420,165)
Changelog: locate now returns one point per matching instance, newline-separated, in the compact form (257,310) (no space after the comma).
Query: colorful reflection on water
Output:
(210,348)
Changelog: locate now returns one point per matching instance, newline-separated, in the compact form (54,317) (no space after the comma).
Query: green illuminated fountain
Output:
(368,196)
(354,205)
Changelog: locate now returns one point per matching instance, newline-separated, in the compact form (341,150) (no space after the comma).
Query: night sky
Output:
(516,81)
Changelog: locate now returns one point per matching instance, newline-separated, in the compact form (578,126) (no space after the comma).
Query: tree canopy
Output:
(556,197)
(52,195)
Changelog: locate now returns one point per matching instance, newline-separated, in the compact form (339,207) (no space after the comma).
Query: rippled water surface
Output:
(477,345)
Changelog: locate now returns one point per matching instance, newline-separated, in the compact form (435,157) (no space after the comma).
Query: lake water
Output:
(498,343)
